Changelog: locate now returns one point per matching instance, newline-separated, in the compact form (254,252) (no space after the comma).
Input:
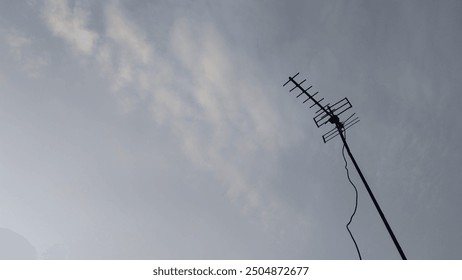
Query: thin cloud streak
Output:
(221,117)
(70,24)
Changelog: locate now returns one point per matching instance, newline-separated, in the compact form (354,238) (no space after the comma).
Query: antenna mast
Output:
(330,113)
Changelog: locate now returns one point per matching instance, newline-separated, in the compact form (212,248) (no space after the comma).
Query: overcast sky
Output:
(161,130)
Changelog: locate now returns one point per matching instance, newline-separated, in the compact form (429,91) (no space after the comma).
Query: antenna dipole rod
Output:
(330,114)
(376,204)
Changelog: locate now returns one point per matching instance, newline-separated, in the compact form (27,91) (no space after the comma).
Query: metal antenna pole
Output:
(339,127)
(330,113)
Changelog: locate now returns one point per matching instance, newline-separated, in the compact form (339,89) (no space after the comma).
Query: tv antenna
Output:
(330,114)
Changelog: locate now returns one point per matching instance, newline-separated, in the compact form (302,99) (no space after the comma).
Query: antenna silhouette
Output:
(330,114)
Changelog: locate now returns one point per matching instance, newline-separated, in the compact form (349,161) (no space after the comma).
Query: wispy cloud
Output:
(70,23)
(221,127)
(23,51)
(127,35)
(124,53)
(223,120)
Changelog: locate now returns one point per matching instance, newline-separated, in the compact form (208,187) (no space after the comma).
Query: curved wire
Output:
(356,198)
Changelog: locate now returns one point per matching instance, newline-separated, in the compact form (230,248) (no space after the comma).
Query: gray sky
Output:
(161,130)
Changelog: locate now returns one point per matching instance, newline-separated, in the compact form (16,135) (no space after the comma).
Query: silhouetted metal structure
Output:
(330,114)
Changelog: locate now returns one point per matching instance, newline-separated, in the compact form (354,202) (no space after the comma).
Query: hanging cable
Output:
(356,198)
